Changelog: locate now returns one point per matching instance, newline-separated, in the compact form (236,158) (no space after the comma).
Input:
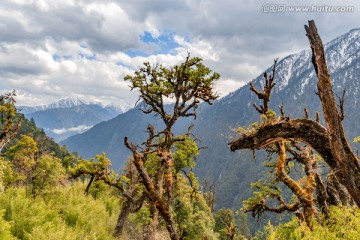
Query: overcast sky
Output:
(52,49)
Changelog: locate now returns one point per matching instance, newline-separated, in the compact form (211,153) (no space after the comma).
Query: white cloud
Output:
(78,129)
(225,86)
(199,48)
(55,49)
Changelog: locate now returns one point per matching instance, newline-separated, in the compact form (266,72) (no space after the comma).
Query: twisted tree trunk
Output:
(348,167)
(124,213)
(303,193)
(154,195)
(329,142)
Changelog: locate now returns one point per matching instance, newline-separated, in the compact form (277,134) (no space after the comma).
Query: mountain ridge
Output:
(69,116)
(62,103)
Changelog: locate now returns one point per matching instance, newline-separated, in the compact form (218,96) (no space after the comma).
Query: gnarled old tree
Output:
(303,189)
(186,85)
(155,174)
(329,142)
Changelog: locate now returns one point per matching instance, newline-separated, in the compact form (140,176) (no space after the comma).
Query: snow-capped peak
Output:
(65,103)
(340,53)
(119,108)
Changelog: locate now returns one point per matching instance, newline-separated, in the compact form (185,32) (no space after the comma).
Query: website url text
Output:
(282,8)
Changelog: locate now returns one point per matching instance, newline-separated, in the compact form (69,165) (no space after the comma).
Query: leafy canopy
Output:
(185,84)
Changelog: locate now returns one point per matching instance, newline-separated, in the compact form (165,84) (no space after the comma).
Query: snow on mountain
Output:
(74,101)
(340,53)
(63,103)
(119,108)
(70,116)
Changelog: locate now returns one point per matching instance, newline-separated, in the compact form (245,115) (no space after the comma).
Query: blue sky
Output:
(165,44)
(83,48)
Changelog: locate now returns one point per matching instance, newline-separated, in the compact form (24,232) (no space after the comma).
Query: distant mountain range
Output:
(63,103)
(69,116)
(233,172)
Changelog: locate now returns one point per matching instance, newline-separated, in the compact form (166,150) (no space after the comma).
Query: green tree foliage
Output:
(100,166)
(342,223)
(48,173)
(186,85)
(242,223)
(224,218)
(7,176)
(24,165)
(45,144)
(231,225)
(67,214)
(185,152)
(264,189)
(190,80)
(5,228)
(23,158)
(191,213)
(99,170)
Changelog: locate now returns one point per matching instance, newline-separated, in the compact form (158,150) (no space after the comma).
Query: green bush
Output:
(67,214)
(343,223)
(5,228)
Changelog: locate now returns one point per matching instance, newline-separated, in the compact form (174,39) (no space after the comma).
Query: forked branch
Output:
(265,94)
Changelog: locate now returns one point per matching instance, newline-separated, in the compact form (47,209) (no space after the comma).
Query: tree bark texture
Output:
(153,194)
(124,213)
(303,193)
(329,142)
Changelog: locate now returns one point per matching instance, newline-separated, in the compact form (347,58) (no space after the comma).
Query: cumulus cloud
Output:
(55,49)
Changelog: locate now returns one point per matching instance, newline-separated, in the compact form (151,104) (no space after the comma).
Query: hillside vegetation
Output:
(47,192)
